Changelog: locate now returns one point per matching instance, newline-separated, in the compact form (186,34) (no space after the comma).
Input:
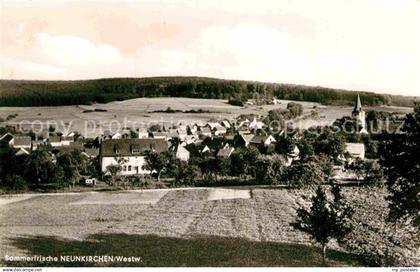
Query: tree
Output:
(303,173)
(269,169)
(38,167)
(174,143)
(400,158)
(330,144)
(184,173)
(115,169)
(366,170)
(325,220)
(15,183)
(159,162)
(70,167)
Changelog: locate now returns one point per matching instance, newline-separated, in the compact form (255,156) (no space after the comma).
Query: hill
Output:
(56,93)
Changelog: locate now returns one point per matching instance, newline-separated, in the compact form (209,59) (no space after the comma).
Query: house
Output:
(356,150)
(190,139)
(55,141)
(220,130)
(205,132)
(182,132)
(254,125)
(160,135)
(130,153)
(245,139)
(226,124)
(22,142)
(108,134)
(225,152)
(66,140)
(143,133)
(182,153)
(206,149)
(38,143)
(193,128)
(266,140)
(293,156)
(212,125)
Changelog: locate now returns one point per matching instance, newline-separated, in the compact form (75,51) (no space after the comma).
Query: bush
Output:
(15,183)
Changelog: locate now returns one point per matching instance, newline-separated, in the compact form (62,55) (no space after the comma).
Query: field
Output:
(141,111)
(191,227)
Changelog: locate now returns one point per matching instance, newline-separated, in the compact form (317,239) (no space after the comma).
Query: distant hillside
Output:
(55,93)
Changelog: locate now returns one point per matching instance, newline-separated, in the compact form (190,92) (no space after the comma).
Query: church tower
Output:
(358,114)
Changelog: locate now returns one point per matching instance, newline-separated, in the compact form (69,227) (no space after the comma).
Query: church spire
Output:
(358,106)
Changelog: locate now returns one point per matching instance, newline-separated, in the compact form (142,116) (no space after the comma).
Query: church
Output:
(358,114)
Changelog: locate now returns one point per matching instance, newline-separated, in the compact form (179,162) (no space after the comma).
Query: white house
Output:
(356,150)
(254,125)
(182,153)
(220,130)
(130,153)
(226,124)
(143,133)
(66,140)
(205,131)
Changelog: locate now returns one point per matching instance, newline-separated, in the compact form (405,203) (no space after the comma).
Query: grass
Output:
(203,251)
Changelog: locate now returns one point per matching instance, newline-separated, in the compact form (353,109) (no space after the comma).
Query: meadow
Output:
(176,227)
(145,112)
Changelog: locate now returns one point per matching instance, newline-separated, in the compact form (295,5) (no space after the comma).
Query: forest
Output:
(84,92)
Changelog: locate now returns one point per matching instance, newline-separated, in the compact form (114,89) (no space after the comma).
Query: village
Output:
(210,150)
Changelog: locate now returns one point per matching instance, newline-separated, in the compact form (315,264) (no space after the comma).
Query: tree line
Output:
(55,93)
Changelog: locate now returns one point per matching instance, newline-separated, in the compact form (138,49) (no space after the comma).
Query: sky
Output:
(370,45)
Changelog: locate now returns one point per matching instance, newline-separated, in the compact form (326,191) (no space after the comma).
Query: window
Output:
(152,146)
(116,149)
(129,168)
(135,149)
(124,168)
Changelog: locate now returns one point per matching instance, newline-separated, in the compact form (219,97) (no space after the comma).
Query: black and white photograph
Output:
(210,134)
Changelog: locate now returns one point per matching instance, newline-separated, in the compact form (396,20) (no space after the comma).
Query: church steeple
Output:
(359,115)
(358,106)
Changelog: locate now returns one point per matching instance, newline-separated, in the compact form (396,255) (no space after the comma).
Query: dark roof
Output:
(22,140)
(92,152)
(6,138)
(225,152)
(259,139)
(129,147)
(54,139)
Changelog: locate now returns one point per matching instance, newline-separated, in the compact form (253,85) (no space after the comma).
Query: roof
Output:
(225,152)
(206,130)
(158,133)
(181,150)
(6,138)
(358,106)
(54,139)
(247,137)
(67,138)
(130,147)
(355,149)
(22,140)
(259,139)
(92,152)
(22,151)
